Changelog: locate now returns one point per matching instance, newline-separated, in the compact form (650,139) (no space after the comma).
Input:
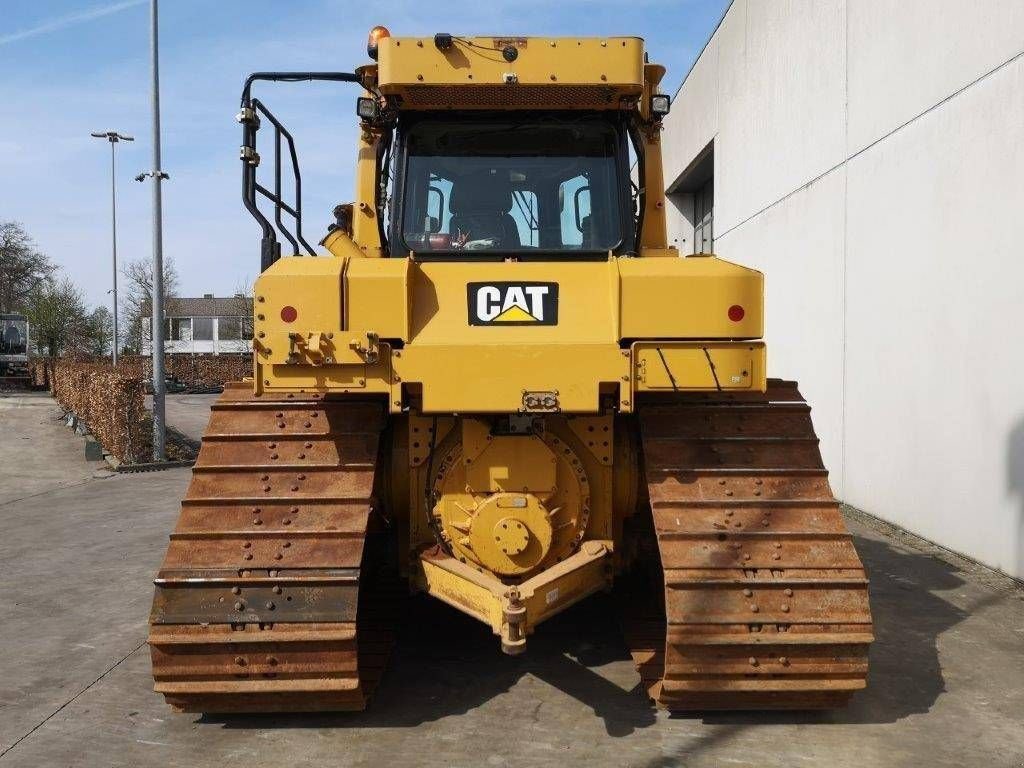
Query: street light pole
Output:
(113,137)
(157,303)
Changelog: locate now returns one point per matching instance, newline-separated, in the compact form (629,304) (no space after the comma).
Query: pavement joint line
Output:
(59,709)
(51,490)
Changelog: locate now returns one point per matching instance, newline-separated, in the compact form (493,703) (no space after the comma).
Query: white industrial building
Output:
(868,157)
(204,326)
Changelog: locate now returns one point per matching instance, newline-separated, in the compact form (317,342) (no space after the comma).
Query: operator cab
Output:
(13,335)
(479,186)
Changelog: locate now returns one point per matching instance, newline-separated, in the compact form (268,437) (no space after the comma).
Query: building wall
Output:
(190,346)
(869,158)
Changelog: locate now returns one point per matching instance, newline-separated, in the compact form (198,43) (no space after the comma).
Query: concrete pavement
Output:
(186,413)
(946,687)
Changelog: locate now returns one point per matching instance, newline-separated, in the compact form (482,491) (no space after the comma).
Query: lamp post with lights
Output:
(113,137)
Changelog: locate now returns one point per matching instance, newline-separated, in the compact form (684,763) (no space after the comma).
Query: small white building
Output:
(868,157)
(207,325)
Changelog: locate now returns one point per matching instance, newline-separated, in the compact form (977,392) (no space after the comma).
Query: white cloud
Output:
(69,20)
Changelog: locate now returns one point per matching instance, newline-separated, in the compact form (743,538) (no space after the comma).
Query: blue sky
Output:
(69,67)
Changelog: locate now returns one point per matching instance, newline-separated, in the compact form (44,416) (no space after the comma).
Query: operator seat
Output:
(480,206)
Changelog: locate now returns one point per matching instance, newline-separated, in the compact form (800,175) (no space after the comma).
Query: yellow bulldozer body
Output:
(540,425)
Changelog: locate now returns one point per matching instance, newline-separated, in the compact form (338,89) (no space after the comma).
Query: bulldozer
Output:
(496,383)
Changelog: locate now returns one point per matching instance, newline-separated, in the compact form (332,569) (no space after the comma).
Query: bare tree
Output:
(23,267)
(137,299)
(99,332)
(58,317)
(243,307)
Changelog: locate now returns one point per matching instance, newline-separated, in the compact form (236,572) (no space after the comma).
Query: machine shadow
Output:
(905,676)
(446,663)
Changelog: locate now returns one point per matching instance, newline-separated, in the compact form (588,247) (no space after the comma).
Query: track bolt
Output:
(248,556)
(783,661)
(239,605)
(302,455)
(765,522)
(272,661)
(759,482)
(278,556)
(255,510)
(748,593)
(257,522)
(746,556)
(788,592)
(757,493)
(270,605)
(729,513)
(308,424)
(264,478)
(302,477)
(294,510)
(295,487)
(754,609)
(273,455)
(776,556)
(247,545)
(728,493)
(280,415)
(239,661)
(309,445)
(280,425)
(236,590)
(785,608)
(266,489)
(286,521)
(778,545)
(277,589)
(753,661)
(286,544)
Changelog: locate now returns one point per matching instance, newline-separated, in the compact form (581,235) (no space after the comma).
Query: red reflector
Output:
(736,313)
(288,314)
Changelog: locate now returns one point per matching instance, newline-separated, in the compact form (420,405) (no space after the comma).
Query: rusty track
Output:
(272,597)
(765,602)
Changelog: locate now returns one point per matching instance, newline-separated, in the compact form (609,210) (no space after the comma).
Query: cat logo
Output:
(513,303)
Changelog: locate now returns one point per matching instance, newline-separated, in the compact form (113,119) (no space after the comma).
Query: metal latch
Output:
(371,351)
(313,346)
(248,115)
(249,154)
(540,401)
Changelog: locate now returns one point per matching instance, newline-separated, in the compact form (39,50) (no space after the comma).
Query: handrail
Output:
(249,117)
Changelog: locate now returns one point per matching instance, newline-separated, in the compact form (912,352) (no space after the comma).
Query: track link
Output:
(272,595)
(764,602)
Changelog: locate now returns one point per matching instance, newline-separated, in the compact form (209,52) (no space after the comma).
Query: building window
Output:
(234,329)
(202,329)
(178,328)
(229,328)
(703,218)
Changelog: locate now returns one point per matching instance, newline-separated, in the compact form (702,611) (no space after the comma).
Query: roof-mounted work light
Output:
(660,104)
(366,108)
